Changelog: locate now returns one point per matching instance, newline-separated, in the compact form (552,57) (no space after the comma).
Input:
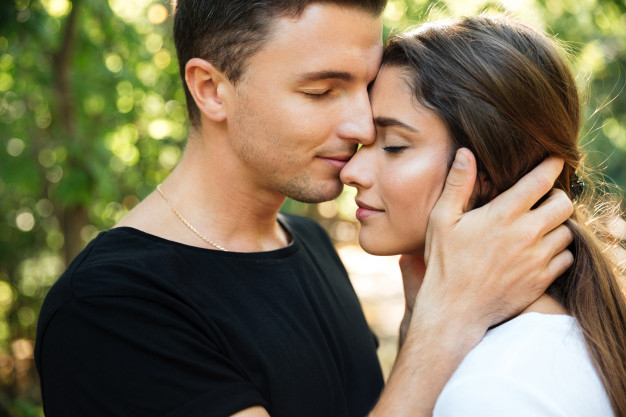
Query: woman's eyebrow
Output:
(382,121)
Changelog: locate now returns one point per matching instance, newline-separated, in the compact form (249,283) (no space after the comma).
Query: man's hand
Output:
(483,266)
(488,264)
(413,270)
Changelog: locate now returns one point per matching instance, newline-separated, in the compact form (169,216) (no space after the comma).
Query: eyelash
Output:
(317,96)
(394,149)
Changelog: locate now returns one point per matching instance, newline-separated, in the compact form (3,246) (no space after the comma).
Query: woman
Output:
(500,89)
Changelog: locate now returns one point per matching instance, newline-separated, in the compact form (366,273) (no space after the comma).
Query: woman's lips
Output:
(364,211)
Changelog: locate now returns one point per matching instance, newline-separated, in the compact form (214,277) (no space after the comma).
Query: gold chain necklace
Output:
(186,223)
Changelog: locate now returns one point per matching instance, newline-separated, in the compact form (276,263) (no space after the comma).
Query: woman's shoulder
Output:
(534,364)
(529,342)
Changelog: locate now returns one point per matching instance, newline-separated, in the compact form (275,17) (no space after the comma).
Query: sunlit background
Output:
(93,117)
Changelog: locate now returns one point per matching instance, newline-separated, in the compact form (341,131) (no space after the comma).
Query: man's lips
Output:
(337,161)
(365,211)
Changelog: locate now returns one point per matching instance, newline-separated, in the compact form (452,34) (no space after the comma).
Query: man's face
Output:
(302,106)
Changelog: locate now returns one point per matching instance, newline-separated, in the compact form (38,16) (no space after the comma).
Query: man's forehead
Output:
(327,21)
(326,42)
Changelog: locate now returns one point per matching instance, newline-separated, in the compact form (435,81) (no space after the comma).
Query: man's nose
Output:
(358,125)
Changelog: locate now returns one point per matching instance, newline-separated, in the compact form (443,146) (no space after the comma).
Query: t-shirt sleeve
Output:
(128,356)
(491,395)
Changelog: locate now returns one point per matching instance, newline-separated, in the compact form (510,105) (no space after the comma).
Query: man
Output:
(205,301)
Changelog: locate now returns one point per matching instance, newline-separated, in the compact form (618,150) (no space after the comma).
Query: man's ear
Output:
(208,87)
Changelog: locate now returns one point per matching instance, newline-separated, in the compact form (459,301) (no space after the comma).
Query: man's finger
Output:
(554,211)
(530,188)
(557,266)
(459,185)
(556,241)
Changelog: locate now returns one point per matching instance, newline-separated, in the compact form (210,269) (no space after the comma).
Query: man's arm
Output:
(483,266)
(413,270)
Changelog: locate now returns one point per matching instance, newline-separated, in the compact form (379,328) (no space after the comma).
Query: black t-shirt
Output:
(142,326)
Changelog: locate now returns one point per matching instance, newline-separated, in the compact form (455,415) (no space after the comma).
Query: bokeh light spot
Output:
(23,349)
(15,147)
(6,81)
(162,59)
(343,231)
(157,14)
(147,74)
(6,295)
(44,207)
(47,158)
(159,129)
(125,104)
(169,156)
(26,316)
(154,43)
(328,209)
(54,174)
(129,202)
(129,10)
(113,62)
(87,233)
(25,221)
(55,240)
(394,11)
(57,8)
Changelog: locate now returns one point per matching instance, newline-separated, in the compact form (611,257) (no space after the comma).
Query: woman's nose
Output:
(358,172)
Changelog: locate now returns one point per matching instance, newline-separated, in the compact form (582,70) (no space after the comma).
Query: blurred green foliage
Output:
(92,118)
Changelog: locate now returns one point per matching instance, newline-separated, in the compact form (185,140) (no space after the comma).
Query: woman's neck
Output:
(546,305)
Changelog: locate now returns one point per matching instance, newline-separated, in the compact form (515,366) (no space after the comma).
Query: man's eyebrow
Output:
(390,121)
(326,75)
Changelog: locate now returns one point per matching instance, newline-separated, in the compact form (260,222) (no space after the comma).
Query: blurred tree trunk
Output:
(73,217)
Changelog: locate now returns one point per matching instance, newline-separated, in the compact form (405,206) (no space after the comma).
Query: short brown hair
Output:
(228,32)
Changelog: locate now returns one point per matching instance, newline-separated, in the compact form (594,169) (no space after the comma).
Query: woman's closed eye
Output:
(394,149)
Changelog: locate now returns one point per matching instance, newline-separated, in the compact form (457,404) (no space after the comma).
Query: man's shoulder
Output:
(105,265)
(118,248)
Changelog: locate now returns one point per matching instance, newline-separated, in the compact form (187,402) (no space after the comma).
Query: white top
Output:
(534,365)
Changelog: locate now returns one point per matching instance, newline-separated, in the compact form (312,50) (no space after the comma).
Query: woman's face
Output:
(401,175)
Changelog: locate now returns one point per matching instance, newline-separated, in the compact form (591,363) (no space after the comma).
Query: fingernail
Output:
(460,160)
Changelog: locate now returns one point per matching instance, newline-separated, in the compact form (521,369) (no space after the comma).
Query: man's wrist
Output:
(404,327)
(452,331)
(434,347)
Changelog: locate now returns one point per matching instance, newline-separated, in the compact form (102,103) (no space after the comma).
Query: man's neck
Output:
(212,194)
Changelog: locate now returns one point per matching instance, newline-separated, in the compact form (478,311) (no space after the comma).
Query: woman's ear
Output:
(208,86)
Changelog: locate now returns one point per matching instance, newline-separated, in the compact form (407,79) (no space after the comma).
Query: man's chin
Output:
(325,191)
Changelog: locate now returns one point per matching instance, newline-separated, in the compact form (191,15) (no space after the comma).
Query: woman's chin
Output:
(378,248)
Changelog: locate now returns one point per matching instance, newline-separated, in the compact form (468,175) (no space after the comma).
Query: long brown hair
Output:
(505,92)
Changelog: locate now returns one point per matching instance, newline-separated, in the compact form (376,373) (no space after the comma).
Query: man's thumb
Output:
(459,184)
